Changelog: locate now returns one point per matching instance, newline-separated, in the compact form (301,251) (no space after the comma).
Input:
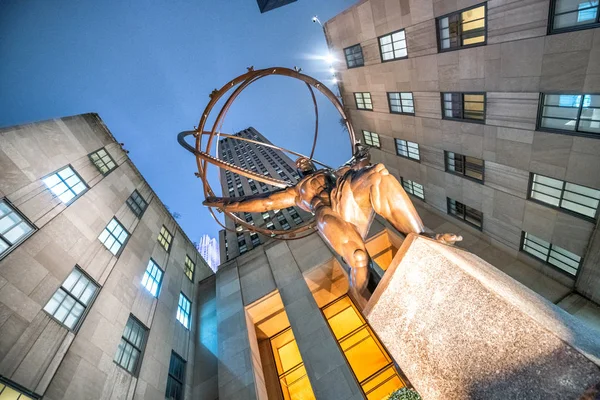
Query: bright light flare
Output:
(334,80)
(329,59)
(332,70)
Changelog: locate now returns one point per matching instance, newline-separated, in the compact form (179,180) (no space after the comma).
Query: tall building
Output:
(489,114)
(268,5)
(209,250)
(98,283)
(264,160)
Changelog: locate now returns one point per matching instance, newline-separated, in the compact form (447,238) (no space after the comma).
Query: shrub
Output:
(404,394)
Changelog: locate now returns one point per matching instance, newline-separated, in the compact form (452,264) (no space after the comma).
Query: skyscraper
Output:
(209,250)
(264,160)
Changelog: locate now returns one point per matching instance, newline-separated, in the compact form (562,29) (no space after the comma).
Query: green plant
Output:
(404,394)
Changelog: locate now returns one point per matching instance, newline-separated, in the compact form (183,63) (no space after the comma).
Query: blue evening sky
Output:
(147,67)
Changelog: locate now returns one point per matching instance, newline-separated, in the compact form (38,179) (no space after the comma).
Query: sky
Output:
(147,68)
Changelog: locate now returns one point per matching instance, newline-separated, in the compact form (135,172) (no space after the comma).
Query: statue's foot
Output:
(448,238)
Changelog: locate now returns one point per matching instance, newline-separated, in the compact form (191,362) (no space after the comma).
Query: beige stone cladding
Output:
(40,353)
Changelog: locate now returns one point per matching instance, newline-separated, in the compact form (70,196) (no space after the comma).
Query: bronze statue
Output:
(344,202)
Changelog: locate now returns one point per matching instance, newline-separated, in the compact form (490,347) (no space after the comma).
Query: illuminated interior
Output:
(473,26)
(383,247)
(8,393)
(290,368)
(371,364)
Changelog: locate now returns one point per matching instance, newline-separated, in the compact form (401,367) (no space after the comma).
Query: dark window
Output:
(255,239)
(14,228)
(184,307)
(10,390)
(176,378)
(566,195)
(189,267)
(371,139)
(414,188)
(65,184)
(103,161)
(393,46)
(407,149)
(129,352)
(551,254)
(363,101)
(466,213)
(114,236)
(165,238)
(569,15)
(137,204)
(152,278)
(354,56)
(464,106)
(570,113)
(401,103)
(69,302)
(469,167)
(464,28)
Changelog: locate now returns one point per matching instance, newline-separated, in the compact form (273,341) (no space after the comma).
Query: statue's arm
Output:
(256,203)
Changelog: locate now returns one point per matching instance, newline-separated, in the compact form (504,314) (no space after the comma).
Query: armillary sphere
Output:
(205,138)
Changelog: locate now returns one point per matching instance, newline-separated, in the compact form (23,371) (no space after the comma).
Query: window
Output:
(129,352)
(103,161)
(371,139)
(136,203)
(12,391)
(69,302)
(372,366)
(469,167)
(65,184)
(393,46)
(165,238)
(465,28)
(354,56)
(464,106)
(468,214)
(407,149)
(152,278)
(190,267)
(13,227)
(412,187)
(290,367)
(570,113)
(551,254)
(568,15)
(255,239)
(175,378)
(401,103)
(363,101)
(114,236)
(569,196)
(183,311)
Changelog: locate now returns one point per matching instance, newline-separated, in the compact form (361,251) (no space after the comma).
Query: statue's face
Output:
(305,166)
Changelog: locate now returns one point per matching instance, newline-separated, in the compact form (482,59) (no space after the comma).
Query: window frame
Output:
(522,243)
(462,103)
(133,201)
(186,269)
(538,123)
(379,45)
(553,31)
(110,233)
(371,139)
(189,315)
(464,216)
(142,349)
(159,283)
(396,142)
(362,94)
(170,242)
(346,56)
(401,106)
(437,28)
(463,174)
(20,389)
(402,181)
(23,238)
(109,156)
(171,376)
(63,181)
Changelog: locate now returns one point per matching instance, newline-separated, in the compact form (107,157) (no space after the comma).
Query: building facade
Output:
(98,283)
(209,250)
(489,114)
(263,160)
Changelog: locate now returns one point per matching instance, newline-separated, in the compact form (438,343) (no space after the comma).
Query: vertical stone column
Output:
(205,384)
(588,281)
(329,373)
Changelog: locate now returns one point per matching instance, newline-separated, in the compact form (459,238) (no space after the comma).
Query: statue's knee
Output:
(361,258)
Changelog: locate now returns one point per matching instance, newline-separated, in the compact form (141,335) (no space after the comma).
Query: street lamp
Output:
(316,20)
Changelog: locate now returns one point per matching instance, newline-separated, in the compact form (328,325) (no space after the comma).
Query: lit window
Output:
(566,195)
(571,113)
(165,238)
(103,161)
(568,15)
(129,352)
(401,103)
(290,367)
(190,267)
(412,187)
(176,377)
(65,184)
(13,227)
(465,28)
(551,254)
(468,214)
(136,203)
(183,311)
(152,278)
(407,149)
(114,236)
(363,101)
(469,167)
(354,56)
(11,391)
(69,302)
(371,139)
(464,106)
(393,46)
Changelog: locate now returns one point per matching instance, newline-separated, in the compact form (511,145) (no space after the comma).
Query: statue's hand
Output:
(448,238)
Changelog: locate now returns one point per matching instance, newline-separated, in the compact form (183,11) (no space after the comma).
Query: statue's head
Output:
(305,166)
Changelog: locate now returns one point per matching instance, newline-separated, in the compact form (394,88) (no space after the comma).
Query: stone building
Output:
(98,283)
(489,113)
